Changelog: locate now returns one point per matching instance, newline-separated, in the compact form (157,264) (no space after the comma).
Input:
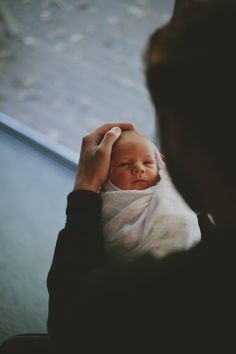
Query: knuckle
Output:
(110,134)
(106,126)
(101,151)
(85,139)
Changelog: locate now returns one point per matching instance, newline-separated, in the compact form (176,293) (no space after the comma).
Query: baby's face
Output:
(133,163)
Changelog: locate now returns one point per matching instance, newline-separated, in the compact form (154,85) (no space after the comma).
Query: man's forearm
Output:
(79,250)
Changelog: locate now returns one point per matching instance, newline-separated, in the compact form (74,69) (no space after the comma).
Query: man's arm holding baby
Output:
(79,247)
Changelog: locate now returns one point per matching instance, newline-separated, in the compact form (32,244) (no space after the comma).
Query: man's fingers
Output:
(99,133)
(115,131)
(104,128)
(109,139)
(94,139)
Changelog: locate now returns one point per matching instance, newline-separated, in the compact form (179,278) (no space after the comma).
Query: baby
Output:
(133,163)
(142,211)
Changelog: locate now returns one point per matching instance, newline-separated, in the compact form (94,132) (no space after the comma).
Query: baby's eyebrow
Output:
(129,158)
(149,156)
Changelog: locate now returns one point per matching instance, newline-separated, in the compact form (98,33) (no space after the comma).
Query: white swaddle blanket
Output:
(155,219)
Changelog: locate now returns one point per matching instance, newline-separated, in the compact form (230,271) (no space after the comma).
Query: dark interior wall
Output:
(33,190)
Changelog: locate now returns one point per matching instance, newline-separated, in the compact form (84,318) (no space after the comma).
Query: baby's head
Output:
(133,162)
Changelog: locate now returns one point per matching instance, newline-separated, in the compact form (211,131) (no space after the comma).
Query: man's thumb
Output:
(116,131)
(110,138)
(112,135)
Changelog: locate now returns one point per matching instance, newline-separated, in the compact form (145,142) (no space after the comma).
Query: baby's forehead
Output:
(131,139)
(132,136)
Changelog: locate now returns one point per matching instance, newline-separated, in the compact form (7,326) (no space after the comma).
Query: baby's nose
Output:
(138,168)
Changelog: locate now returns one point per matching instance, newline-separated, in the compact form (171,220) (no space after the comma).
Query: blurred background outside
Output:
(75,65)
(66,67)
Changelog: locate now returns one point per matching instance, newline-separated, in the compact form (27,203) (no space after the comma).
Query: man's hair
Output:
(191,72)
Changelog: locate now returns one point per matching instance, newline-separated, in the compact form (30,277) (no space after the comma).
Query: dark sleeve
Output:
(79,250)
(92,303)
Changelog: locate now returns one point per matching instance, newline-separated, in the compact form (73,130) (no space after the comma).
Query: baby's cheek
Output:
(156,176)
(113,177)
(111,173)
(120,180)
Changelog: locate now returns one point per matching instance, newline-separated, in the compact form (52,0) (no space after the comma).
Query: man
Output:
(186,302)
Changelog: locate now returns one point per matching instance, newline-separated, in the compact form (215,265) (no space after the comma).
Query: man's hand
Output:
(95,156)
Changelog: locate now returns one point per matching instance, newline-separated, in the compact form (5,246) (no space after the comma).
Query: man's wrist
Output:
(85,186)
(84,203)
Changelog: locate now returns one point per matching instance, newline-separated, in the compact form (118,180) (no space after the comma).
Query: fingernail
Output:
(116,130)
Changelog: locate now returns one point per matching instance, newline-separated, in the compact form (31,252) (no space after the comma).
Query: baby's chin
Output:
(140,186)
(135,186)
